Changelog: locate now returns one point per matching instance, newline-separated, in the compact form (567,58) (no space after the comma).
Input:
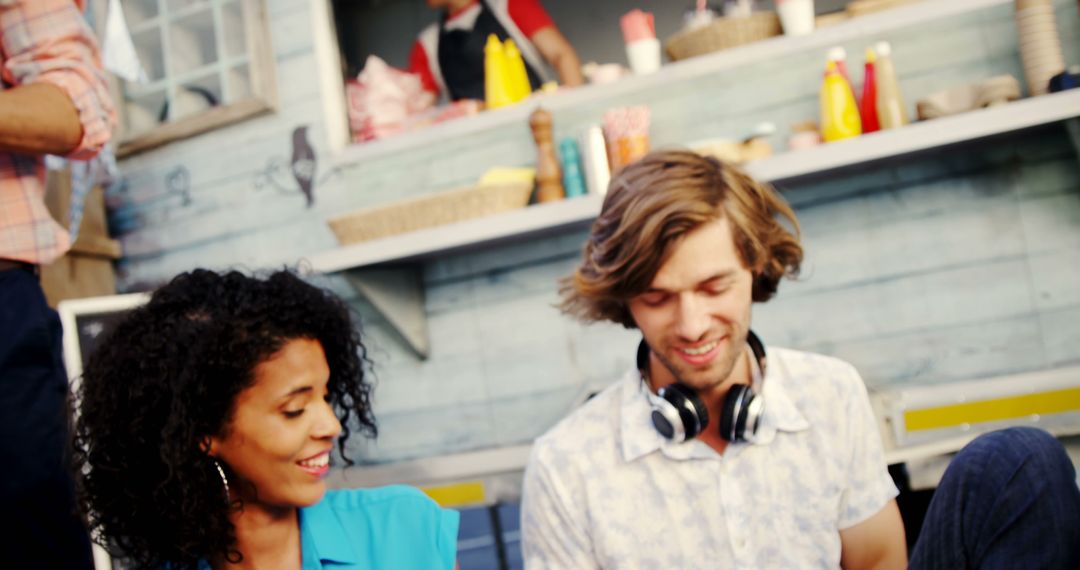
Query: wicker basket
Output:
(723,33)
(428,211)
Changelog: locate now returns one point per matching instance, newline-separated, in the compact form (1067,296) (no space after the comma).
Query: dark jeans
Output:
(37,501)
(1009,499)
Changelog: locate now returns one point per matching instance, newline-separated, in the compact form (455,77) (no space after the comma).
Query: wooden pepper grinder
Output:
(548,174)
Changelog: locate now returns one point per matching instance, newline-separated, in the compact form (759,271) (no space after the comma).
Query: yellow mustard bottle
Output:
(496,91)
(839,113)
(517,77)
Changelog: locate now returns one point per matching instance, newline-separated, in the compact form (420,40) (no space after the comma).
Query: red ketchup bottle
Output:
(868,103)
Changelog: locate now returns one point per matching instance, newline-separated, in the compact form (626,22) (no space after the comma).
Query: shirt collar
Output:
(639,437)
(635,426)
(464,17)
(781,414)
(321,529)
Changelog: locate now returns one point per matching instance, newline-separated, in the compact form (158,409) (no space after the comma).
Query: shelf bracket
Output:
(397,293)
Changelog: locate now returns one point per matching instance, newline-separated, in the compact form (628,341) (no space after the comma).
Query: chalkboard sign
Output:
(85,323)
(91,329)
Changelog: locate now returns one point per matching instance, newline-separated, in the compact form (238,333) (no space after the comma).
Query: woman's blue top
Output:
(395,527)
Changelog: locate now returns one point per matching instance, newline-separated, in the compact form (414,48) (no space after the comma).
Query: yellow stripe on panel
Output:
(457,494)
(1043,403)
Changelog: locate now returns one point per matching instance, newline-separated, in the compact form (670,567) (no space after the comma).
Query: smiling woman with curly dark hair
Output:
(207,419)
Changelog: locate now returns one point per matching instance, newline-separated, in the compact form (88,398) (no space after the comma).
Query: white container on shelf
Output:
(644,55)
(594,158)
(796,16)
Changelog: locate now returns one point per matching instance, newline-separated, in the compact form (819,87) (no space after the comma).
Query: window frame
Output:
(263,86)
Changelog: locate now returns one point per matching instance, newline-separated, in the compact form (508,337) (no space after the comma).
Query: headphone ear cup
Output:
(692,411)
(665,418)
(734,415)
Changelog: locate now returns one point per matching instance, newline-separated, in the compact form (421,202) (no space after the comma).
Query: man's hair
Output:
(167,377)
(651,205)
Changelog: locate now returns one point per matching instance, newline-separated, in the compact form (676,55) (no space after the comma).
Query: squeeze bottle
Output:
(868,104)
(839,113)
(496,93)
(891,110)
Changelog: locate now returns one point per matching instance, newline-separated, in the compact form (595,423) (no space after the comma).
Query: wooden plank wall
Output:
(957,264)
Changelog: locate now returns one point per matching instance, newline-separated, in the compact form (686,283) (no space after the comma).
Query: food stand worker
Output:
(449,55)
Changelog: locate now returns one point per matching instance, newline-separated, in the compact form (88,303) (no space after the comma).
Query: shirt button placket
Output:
(736,516)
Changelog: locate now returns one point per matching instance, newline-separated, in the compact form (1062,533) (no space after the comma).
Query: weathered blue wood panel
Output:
(953,265)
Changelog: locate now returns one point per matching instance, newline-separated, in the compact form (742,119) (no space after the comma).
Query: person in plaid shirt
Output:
(53,100)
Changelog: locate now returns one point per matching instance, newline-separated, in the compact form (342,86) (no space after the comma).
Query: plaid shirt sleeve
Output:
(47,41)
(50,41)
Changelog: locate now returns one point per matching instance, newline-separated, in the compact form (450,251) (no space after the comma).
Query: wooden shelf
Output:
(551,218)
(767,50)
(387,271)
(925,135)
(419,245)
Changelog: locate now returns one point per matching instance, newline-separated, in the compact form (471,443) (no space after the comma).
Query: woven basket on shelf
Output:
(723,33)
(428,211)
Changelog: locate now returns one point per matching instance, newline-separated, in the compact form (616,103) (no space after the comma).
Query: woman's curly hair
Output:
(165,379)
(651,205)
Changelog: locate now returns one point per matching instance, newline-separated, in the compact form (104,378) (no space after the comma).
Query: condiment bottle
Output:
(892,112)
(839,55)
(496,93)
(839,113)
(573,179)
(517,78)
(868,103)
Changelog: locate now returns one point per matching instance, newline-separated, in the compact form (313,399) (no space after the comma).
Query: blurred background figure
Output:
(53,100)
(449,55)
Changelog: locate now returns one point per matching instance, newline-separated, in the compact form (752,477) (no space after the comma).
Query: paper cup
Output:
(796,16)
(644,55)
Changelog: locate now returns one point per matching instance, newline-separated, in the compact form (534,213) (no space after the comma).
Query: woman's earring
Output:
(224,479)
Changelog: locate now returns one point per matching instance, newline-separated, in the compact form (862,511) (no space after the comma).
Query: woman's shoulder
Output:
(401,526)
(391,496)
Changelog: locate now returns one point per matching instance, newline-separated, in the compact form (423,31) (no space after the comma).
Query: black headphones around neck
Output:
(679,414)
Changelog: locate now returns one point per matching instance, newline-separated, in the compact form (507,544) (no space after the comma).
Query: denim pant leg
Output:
(1009,499)
(37,502)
